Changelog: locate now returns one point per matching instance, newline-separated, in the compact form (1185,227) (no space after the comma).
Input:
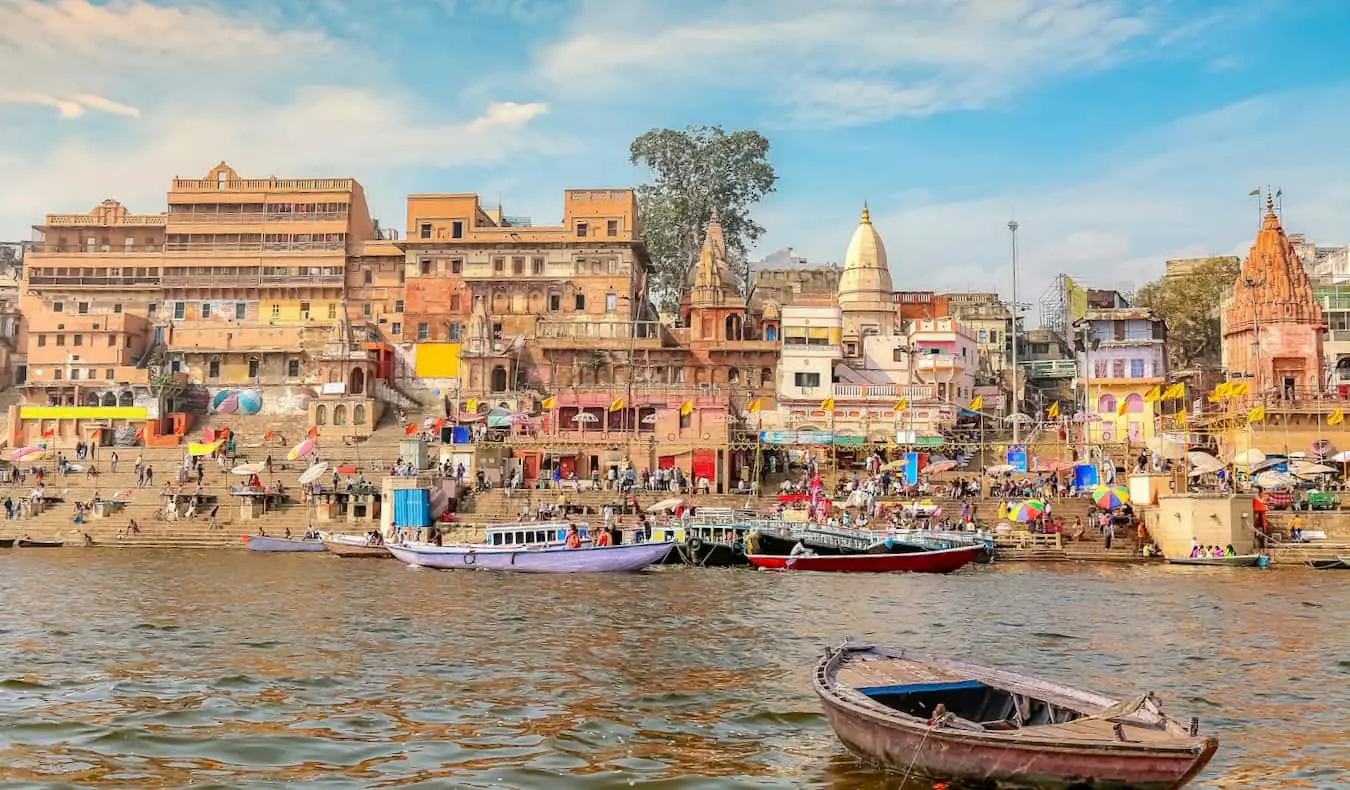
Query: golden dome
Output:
(867,275)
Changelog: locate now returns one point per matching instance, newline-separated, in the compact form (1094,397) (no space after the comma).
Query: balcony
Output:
(1050,368)
(78,281)
(94,220)
(43,248)
(211,277)
(256,247)
(253,218)
(884,392)
(263,185)
(641,334)
(302,280)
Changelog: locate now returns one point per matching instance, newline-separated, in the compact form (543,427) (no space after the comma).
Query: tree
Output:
(1189,303)
(165,385)
(697,170)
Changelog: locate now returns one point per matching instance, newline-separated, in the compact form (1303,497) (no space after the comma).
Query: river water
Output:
(159,669)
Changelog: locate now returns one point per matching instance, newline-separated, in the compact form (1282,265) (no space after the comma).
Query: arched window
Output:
(733,375)
(499,379)
(359,414)
(126,398)
(771,333)
(1134,402)
(321,414)
(1106,403)
(766,377)
(340,414)
(109,399)
(91,399)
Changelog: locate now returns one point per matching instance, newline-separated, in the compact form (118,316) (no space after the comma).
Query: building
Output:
(865,288)
(991,321)
(784,286)
(1273,327)
(1124,357)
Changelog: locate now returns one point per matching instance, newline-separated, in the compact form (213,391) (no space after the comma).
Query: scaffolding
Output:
(1055,307)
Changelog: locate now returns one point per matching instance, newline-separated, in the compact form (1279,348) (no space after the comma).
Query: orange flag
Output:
(410,429)
(313,432)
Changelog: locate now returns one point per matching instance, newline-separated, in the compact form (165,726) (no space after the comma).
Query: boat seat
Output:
(1002,725)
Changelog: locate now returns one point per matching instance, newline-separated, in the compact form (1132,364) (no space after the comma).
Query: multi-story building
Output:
(1124,357)
(990,320)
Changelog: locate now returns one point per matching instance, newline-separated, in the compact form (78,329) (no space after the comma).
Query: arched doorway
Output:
(340,414)
(109,399)
(358,382)
(499,379)
(125,399)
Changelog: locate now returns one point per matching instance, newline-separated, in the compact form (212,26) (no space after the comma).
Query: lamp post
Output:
(1017,431)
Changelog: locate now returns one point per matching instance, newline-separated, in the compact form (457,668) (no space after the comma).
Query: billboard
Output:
(1075,297)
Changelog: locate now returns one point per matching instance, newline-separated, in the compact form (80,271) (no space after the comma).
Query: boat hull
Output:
(7,543)
(1338,564)
(260,543)
(353,550)
(940,561)
(39,544)
(628,558)
(1240,561)
(707,554)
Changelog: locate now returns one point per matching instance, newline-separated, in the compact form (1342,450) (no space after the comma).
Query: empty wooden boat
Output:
(264,543)
(28,543)
(920,561)
(950,721)
(1337,564)
(1236,561)
(368,546)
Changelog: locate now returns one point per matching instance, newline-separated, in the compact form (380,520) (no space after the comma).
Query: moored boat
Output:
(264,543)
(1337,564)
(626,558)
(949,721)
(935,561)
(27,543)
(1236,561)
(7,543)
(355,545)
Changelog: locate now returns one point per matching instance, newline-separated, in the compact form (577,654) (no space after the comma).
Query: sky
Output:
(1119,133)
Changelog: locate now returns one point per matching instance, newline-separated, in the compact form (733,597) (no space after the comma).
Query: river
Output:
(155,669)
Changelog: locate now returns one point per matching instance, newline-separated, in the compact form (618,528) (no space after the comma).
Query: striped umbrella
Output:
(1110,497)
(300,450)
(1029,510)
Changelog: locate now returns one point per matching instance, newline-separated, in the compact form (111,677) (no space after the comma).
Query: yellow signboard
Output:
(1077,299)
(82,413)
(436,360)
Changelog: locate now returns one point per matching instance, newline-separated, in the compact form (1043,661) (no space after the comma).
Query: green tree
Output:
(697,170)
(1189,303)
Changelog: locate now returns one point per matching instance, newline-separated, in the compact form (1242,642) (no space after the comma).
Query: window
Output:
(993,336)
(240,311)
(612,228)
(537,265)
(108,374)
(806,379)
(1099,368)
(332,310)
(424,230)
(179,310)
(423,331)
(82,308)
(253,368)
(398,305)
(152,310)
(498,265)
(497,330)
(396,328)
(74,374)
(206,309)
(57,307)
(611,302)
(581,302)
(1106,404)
(581,230)
(456,330)
(112,340)
(42,340)
(293,368)
(367,276)
(456,265)
(984,336)
(1136,368)
(213,369)
(60,340)
(554,302)
(304,310)
(457,230)
(518,265)
(58,374)
(454,303)
(424,266)
(365,310)
(117,307)
(1117,368)
(276,311)
(128,341)
(898,355)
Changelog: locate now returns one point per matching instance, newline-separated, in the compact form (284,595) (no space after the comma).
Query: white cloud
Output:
(177,90)
(1179,190)
(846,62)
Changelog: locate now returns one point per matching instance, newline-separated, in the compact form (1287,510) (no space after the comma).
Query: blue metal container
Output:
(412,507)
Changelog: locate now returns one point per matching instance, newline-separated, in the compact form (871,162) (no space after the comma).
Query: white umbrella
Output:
(1273,480)
(998,469)
(248,469)
(585,417)
(313,473)
(1251,457)
(666,504)
(1198,458)
(1343,457)
(1312,470)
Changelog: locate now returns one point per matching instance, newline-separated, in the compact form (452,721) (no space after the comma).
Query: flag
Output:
(1123,407)
(755,405)
(140,434)
(977,404)
(686,408)
(1154,395)
(1224,390)
(410,429)
(550,403)
(1053,412)
(902,404)
(616,404)
(1256,414)
(1175,392)
(313,432)
(439,424)
(1336,417)
(1239,389)
(1279,193)
(1254,192)
(827,404)
(1181,419)
(267,437)
(50,432)
(471,406)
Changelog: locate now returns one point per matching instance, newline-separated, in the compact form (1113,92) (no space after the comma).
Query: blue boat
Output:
(263,543)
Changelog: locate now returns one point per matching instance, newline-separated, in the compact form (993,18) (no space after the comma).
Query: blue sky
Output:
(1120,132)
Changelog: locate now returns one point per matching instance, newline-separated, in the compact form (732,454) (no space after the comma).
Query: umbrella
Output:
(1321,448)
(650,419)
(195,449)
(940,466)
(1269,463)
(1110,497)
(300,450)
(313,473)
(998,469)
(1343,457)
(1203,459)
(666,504)
(1273,480)
(1019,418)
(1026,511)
(18,454)
(35,454)
(248,469)
(250,401)
(1312,470)
(1206,469)
(1251,457)
(585,417)
(894,466)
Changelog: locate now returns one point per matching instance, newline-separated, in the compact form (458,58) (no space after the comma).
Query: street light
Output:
(1017,432)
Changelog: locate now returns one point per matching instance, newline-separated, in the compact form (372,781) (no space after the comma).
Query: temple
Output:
(1273,327)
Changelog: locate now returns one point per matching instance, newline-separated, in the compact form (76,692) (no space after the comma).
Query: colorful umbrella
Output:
(250,402)
(940,466)
(300,450)
(32,455)
(1110,497)
(1029,510)
(17,455)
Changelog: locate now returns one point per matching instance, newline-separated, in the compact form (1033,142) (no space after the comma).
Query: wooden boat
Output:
(7,543)
(25,543)
(264,543)
(937,561)
(950,721)
(1236,561)
(627,558)
(713,538)
(1337,564)
(353,546)
(839,541)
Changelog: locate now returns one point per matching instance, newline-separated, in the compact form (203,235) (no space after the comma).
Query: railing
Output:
(154,220)
(186,277)
(253,218)
(302,279)
(304,246)
(885,391)
(263,185)
(598,330)
(42,248)
(37,280)
(1050,368)
(1340,335)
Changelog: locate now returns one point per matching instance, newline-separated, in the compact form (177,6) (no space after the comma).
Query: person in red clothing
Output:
(573,537)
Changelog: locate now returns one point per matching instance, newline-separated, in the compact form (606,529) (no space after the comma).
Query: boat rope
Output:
(940,718)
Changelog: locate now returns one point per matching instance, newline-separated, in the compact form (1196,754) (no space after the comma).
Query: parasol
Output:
(585,417)
(938,467)
(1026,511)
(1110,497)
(313,473)
(300,450)
(248,469)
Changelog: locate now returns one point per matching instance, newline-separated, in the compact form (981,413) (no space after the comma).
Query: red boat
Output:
(940,561)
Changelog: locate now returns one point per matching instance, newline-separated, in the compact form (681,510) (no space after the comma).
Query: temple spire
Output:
(866,215)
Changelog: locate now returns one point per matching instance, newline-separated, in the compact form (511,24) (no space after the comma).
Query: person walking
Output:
(1109,532)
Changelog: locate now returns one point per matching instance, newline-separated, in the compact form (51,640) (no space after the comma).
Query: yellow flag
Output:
(1239,389)
(1256,414)
(1175,392)
(616,405)
(902,404)
(1053,411)
(1222,390)
(1181,419)
(686,408)
(550,403)
(827,404)
(755,405)
(1336,417)
(1123,407)
(471,405)
(977,404)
